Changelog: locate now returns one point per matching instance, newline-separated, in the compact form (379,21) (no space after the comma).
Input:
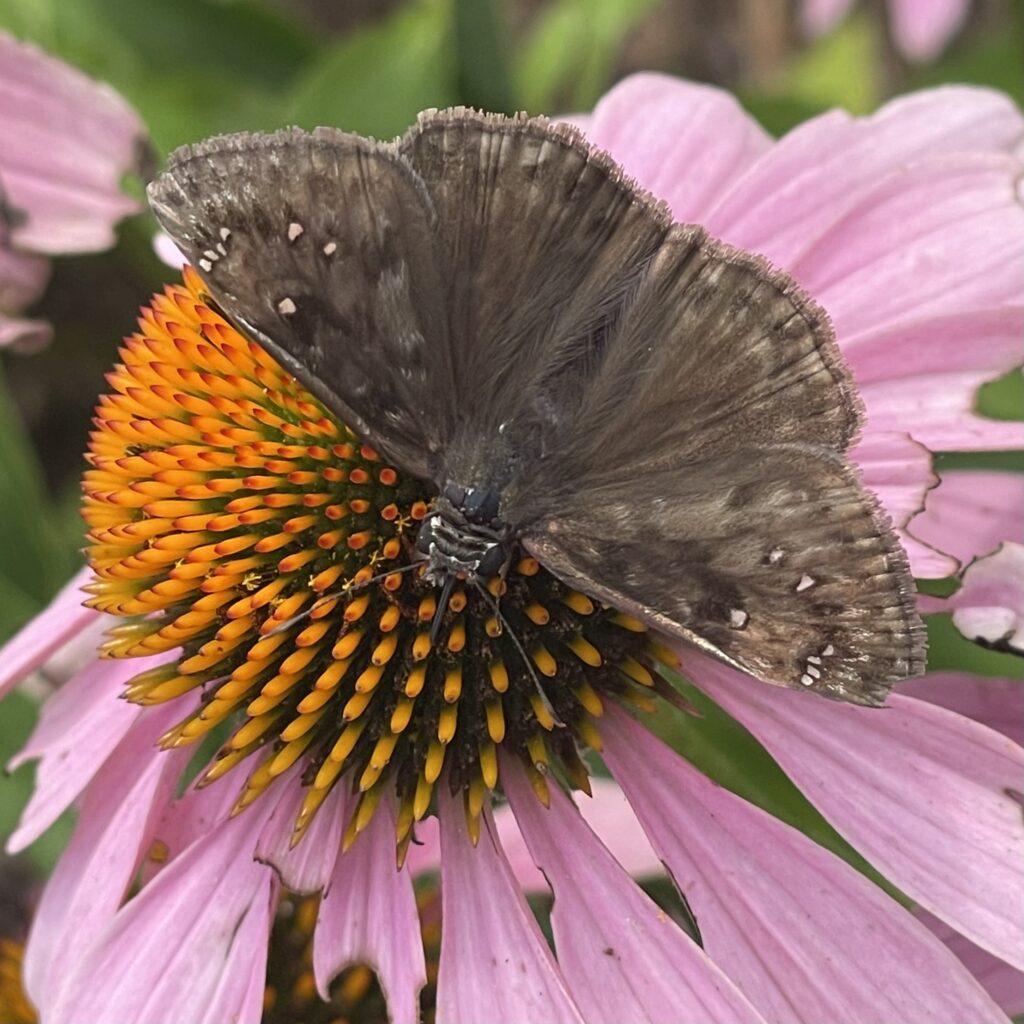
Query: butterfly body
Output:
(661,420)
(464,537)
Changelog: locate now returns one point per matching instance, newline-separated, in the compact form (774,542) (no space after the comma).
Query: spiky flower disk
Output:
(234,523)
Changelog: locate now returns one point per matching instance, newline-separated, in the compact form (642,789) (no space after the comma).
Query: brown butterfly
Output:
(663,421)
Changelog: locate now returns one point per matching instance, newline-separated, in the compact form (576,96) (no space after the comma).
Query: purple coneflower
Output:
(222,501)
(920,28)
(65,144)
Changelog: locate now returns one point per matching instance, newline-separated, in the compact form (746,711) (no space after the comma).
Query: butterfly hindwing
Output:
(776,560)
(322,247)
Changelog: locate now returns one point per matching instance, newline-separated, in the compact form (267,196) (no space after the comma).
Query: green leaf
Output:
(842,69)
(19,715)
(569,57)
(33,561)
(376,80)
(484,79)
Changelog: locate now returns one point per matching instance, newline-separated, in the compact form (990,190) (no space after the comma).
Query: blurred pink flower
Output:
(920,28)
(65,143)
(908,228)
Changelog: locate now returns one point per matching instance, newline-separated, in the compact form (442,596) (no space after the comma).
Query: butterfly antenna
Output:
(442,607)
(492,602)
(302,616)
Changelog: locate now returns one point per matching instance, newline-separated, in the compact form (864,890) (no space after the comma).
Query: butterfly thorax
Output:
(463,537)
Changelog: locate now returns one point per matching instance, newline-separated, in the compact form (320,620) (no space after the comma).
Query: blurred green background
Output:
(197,67)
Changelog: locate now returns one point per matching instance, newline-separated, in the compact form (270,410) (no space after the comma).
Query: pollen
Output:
(240,529)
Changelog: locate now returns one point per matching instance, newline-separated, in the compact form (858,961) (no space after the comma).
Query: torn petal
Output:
(368,915)
(492,952)
(622,956)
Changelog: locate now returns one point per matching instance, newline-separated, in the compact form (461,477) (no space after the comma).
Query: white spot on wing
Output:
(738,618)
(225,234)
(330,248)
(806,680)
(286,307)
(295,229)
(205,265)
(775,556)
(805,582)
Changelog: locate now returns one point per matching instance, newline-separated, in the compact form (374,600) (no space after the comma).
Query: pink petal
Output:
(622,956)
(931,238)
(493,955)
(57,625)
(921,28)
(972,340)
(67,142)
(167,252)
(821,170)
(918,790)
(1002,982)
(607,812)
(23,277)
(686,143)
(368,915)
(819,16)
(114,832)
(805,936)
(899,471)
(997,703)
(80,725)
(989,607)
(305,868)
(24,336)
(972,511)
(187,947)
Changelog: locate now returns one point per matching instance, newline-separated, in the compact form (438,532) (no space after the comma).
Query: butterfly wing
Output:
(546,241)
(775,560)
(322,247)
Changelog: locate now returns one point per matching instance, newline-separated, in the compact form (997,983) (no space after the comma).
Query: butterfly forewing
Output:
(322,246)
(775,559)
(546,242)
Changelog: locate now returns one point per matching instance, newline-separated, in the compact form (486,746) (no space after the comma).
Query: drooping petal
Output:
(22,280)
(80,725)
(114,831)
(989,607)
(1005,984)
(684,142)
(622,956)
(997,703)
(67,142)
(922,28)
(822,169)
(368,915)
(306,867)
(972,511)
(187,947)
(919,790)
(805,936)
(59,623)
(494,959)
(899,471)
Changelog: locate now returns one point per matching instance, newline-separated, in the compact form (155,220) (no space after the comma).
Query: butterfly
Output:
(660,419)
